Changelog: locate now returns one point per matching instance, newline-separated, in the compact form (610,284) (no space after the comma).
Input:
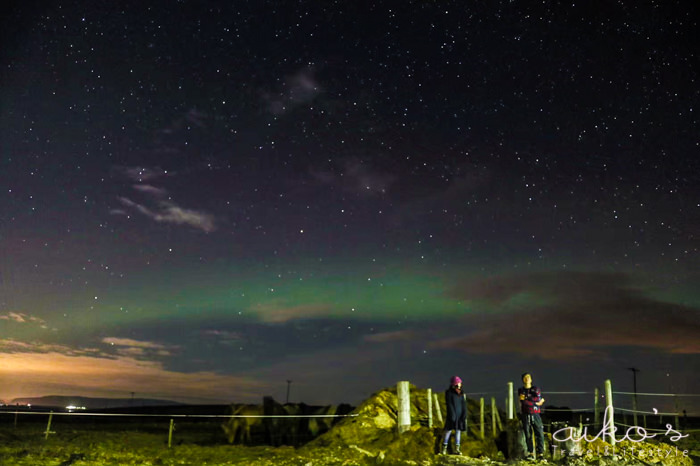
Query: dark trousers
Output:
(533,422)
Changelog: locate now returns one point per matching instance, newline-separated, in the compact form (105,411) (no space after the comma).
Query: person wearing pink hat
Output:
(456,414)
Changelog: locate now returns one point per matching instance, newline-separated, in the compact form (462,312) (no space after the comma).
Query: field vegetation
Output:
(368,437)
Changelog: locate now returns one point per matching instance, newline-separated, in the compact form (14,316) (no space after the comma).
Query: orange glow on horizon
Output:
(39,374)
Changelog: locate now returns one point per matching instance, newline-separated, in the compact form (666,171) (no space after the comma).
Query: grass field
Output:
(123,441)
(149,446)
(87,441)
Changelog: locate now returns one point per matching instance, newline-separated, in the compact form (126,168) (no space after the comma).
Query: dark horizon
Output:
(557,415)
(651,404)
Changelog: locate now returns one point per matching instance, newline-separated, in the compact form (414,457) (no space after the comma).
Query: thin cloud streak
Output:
(169,212)
(22,318)
(163,210)
(153,190)
(130,342)
(390,337)
(277,312)
(137,348)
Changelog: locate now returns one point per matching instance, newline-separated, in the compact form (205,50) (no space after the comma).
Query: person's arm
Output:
(537,397)
(449,404)
(526,399)
(464,409)
(531,398)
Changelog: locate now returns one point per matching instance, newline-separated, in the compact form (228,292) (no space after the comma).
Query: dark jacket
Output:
(532,396)
(456,416)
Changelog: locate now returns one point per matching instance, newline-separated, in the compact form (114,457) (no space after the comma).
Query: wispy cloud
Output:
(138,348)
(10,345)
(167,212)
(564,315)
(158,207)
(22,318)
(356,177)
(147,188)
(192,117)
(389,337)
(129,342)
(141,174)
(278,312)
(299,88)
(224,337)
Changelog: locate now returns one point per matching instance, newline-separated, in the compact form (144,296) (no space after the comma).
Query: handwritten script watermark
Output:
(633,434)
(607,451)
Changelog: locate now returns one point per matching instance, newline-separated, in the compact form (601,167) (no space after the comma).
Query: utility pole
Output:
(289,383)
(634,399)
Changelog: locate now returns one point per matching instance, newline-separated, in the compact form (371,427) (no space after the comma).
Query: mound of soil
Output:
(373,432)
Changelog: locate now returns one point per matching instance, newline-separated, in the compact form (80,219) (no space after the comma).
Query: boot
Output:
(458,451)
(444,449)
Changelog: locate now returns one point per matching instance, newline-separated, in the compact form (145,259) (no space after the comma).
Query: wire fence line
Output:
(227,416)
(591,415)
(549,392)
(301,423)
(573,410)
(654,413)
(591,409)
(658,394)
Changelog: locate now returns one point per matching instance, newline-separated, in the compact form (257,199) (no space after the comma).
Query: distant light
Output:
(73,408)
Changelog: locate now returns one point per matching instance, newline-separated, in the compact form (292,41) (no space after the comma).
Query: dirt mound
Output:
(373,431)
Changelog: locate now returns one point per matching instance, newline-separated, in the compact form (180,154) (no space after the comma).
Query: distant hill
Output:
(92,403)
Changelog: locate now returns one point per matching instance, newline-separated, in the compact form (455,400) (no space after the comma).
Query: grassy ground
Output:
(140,448)
(121,445)
(81,442)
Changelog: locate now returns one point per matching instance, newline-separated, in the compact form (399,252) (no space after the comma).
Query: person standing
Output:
(530,408)
(456,415)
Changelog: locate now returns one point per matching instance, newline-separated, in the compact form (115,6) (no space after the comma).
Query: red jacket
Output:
(532,396)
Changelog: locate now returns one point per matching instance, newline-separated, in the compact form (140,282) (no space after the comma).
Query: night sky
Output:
(200,201)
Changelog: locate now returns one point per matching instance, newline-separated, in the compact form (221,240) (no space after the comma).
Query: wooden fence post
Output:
(170,432)
(403,394)
(509,401)
(610,411)
(481,417)
(430,408)
(48,426)
(494,413)
(437,408)
(596,408)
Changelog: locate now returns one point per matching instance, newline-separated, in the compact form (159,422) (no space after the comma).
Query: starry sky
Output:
(201,201)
